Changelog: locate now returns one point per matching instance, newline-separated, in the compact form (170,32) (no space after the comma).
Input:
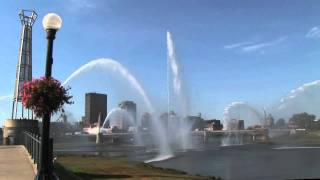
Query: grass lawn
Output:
(98,167)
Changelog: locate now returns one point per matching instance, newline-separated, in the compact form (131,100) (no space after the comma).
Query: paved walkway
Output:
(15,164)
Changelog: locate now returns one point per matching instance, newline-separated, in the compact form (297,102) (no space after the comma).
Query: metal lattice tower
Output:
(24,66)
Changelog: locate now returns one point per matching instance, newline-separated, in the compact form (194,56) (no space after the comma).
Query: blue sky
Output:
(252,51)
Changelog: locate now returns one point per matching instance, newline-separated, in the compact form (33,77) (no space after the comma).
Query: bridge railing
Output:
(32,143)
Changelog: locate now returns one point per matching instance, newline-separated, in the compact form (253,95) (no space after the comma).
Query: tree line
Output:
(300,120)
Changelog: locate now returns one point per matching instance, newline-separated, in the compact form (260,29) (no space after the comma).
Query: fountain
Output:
(235,109)
(119,118)
(116,68)
(177,97)
(232,116)
(302,99)
(177,101)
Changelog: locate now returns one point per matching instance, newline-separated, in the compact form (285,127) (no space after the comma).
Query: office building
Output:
(241,125)
(146,121)
(95,104)
(131,109)
(213,124)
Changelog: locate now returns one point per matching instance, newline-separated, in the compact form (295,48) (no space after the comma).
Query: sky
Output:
(250,51)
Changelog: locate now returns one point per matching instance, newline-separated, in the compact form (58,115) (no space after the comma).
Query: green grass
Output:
(98,167)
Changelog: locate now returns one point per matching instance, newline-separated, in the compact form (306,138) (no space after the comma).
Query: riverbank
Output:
(305,138)
(101,167)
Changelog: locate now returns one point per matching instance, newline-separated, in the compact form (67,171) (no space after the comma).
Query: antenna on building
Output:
(265,116)
(24,65)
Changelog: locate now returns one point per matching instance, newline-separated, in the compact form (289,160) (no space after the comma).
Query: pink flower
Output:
(45,95)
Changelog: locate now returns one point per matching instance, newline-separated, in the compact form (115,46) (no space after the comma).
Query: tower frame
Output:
(24,65)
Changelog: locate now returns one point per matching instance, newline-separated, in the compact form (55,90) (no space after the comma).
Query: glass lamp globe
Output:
(52,21)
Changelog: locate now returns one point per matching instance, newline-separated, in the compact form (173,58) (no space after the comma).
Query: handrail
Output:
(32,142)
(38,140)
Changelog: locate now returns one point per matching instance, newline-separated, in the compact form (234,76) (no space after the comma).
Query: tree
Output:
(303,120)
(280,124)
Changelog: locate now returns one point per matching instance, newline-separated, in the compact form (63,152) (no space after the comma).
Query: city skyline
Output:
(229,52)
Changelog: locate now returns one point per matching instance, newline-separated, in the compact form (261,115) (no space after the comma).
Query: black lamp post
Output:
(51,23)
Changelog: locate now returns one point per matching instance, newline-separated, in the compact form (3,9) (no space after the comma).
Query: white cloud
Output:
(236,45)
(259,46)
(75,5)
(248,46)
(314,33)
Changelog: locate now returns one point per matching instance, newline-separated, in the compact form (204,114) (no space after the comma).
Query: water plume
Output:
(305,98)
(241,110)
(116,67)
(178,100)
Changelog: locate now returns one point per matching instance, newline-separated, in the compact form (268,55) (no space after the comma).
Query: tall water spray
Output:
(177,97)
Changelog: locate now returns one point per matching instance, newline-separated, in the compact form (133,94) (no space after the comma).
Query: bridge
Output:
(254,135)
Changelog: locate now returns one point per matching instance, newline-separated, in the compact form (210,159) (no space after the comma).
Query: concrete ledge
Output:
(34,166)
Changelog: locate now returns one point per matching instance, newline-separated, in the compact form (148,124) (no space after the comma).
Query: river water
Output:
(242,162)
(250,162)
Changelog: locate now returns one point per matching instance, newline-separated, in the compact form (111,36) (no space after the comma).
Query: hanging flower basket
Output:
(45,95)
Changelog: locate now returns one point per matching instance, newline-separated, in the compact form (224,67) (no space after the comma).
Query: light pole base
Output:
(42,176)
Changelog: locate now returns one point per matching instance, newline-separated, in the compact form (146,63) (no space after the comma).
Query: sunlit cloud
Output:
(313,33)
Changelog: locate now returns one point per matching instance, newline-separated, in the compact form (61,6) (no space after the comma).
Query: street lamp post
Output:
(51,23)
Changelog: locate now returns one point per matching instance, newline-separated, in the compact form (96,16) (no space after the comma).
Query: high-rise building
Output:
(213,124)
(146,121)
(240,124)
(131,109)
(196,121)
(95,104)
